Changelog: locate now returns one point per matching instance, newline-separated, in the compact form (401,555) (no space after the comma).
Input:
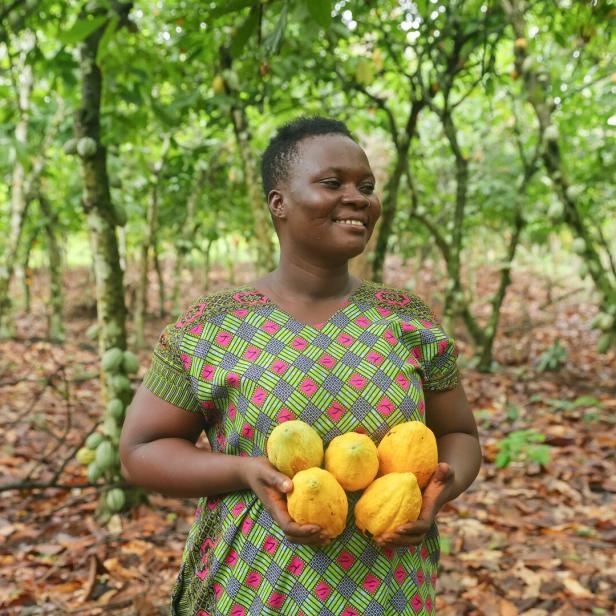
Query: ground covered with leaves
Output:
(535,534)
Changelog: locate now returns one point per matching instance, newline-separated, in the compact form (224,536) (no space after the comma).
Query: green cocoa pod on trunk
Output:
(115,499)
(120,383)
(86,147)
(116,408)
(94,440)
(112,360)
(105,457)
(130,363)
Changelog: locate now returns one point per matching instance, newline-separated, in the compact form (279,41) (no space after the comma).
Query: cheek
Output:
(375,210)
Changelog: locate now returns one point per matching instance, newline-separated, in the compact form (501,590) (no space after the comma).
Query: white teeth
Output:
(357,223)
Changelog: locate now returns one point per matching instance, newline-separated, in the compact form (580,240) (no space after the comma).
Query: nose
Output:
(353,196)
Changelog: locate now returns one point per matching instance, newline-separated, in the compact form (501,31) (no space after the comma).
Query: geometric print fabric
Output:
(247,366)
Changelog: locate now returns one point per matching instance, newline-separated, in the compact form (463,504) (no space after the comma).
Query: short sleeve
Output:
(167,378)
(433,348)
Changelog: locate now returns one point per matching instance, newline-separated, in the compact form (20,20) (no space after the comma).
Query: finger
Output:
(279,481)
(290,527)
(442,472)
(441,475)
(419,527)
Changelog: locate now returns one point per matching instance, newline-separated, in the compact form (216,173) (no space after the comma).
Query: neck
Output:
(301,281)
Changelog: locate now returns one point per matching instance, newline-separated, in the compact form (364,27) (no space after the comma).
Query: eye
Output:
(331,183)
(367,189)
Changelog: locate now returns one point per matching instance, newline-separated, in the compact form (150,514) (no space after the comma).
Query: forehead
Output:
(329,151)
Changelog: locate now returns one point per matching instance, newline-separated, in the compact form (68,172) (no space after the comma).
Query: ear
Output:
(275,202)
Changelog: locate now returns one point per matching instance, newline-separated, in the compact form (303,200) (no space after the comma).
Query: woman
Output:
(307,341)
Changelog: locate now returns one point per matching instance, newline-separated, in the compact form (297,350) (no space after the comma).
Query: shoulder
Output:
(214,304)
(206,308)
(399,301)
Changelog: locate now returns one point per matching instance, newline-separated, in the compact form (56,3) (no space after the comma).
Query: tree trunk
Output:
(178,268)
(207,262)
(159,279)
(101,220)
(19,200)
(390,198)
(361,266)
(453,292)
(55,321)
(187,234)
(97,204)
(263,227)
(25,273)
(147,245)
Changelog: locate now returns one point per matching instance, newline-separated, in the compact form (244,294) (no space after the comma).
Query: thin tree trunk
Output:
(25,273)
(241,128)
(230,259)
(453,292)
(19,199)
(178,268)
(361,266)
(159,278)
(263,227)
(207,262)
(187,234)
(390,199)
(55,321)
(141,296)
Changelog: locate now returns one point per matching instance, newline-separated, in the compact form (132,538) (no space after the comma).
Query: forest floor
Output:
(532,538)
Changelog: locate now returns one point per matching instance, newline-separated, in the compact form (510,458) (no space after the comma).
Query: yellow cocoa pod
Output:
(388,502)
(294,446)
(409,447)
(353,460)
(85,456)
(317,498)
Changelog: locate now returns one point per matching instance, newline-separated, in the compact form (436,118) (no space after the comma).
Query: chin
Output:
(350,252)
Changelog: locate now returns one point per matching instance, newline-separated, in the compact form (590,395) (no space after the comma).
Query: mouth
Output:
(351,222)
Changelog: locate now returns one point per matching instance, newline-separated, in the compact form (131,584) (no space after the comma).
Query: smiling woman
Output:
(307,341)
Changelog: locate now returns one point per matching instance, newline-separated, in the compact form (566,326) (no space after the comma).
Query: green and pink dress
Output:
(246,366)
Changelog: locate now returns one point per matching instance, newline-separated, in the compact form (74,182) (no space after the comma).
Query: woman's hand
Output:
(435,495)
(271,486)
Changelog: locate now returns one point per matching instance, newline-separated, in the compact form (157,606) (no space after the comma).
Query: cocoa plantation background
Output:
(130,136)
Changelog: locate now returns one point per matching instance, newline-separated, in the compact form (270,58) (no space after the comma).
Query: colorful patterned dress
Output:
(247,365)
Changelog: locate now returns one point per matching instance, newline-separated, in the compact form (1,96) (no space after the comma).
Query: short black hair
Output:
(283,146)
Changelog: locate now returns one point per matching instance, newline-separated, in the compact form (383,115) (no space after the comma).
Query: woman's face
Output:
(326,207)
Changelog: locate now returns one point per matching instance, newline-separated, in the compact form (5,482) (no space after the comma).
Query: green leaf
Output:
(320,11)
(81,29)
(587,401)
(110,30)
(422,7)
(502,459)
(540,454)
(273,41)
(243,33)
(231,6)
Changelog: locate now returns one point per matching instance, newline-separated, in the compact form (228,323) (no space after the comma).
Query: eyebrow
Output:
(343,170)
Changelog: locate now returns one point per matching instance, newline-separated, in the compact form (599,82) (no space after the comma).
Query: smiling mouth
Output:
(351,222)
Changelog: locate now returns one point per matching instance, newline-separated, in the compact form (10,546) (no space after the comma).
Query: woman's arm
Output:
(449,416)
(157,451)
